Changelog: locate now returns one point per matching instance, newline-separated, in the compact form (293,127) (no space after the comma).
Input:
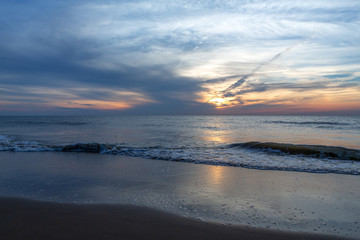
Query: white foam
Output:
(239,157)
(244,158)
(8,143)
(3,138)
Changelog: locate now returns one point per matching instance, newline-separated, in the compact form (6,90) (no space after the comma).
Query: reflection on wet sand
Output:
(322,203)
(215,176)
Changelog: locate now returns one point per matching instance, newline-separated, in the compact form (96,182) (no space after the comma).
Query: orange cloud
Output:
(294,100)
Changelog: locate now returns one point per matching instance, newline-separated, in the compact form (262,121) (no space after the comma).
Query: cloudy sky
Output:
(179,57)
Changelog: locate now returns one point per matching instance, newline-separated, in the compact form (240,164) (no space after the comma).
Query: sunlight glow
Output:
(333,98)
(218,101)
(215,175)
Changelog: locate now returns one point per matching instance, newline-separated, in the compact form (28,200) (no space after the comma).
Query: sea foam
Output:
(257,155)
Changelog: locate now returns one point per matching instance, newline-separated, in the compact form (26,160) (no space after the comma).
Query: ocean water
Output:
(291,143)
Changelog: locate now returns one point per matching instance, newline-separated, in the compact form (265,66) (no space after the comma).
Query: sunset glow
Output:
(180,58)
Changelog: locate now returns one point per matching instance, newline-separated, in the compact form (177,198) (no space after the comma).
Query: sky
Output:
(179,57)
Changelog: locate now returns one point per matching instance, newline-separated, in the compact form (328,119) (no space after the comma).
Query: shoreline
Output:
(265,199)
(29,219)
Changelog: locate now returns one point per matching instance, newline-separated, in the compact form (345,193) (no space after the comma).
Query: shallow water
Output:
(280,200)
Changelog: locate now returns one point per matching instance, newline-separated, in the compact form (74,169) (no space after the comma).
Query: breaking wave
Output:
(316,151)
(257,155)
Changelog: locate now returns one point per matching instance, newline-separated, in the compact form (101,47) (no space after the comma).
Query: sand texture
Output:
(24,219)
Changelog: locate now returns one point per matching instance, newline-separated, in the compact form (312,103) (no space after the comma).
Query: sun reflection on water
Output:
(215,175)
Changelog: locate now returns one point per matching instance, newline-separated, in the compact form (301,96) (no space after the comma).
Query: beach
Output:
(179,119)
(78,190)
(25,219)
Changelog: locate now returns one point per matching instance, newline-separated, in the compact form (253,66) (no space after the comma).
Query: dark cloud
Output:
(52,57)
(97,50)
(63,71)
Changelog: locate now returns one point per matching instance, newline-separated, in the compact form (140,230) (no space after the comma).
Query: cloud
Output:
(300,87)
(22,75)
(241,81)
(169,54)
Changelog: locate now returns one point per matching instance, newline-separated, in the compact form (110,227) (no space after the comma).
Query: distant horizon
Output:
(120,114)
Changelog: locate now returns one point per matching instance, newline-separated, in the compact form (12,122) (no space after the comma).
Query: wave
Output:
(310,123)
(30,122)
(317,151)
(256,155)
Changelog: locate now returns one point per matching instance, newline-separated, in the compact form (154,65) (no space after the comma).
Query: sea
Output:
(319,144)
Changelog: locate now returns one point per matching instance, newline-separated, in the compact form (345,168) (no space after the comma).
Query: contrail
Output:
(258,67)
(243,79)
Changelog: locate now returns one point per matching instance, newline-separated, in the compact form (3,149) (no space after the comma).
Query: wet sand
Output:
(26,219)
(246,198)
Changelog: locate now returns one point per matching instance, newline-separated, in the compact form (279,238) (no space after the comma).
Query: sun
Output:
(218,102)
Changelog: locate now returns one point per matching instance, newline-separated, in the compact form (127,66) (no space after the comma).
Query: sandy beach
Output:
(93,195)
(25,219)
